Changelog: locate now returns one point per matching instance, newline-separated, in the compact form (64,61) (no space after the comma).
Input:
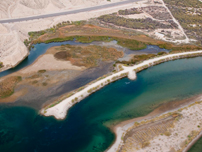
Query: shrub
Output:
(41,71)
(1,64)
(167,133)
(145,144)
(44,83)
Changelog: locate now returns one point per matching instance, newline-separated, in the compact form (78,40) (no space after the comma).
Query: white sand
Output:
(24,8)
(191,119)
(59,111)
(48,62)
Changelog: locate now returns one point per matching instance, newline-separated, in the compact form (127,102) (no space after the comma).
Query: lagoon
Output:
(86,127)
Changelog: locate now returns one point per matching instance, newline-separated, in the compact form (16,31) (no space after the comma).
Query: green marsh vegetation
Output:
(7,86)
(35,35)
(87,56)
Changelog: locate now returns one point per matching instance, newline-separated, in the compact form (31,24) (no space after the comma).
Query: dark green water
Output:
(197,147)
(22,129)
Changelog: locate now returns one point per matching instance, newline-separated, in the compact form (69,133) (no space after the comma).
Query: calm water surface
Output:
(197,147)
(84,129)
(35,52)
(41,48)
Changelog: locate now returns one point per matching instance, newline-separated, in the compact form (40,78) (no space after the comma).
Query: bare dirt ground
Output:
(153,132)
(48,62)
(48,86)
(22,8)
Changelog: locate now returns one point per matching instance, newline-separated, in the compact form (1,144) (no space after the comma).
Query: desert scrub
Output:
(145,144)
(129,11)
(7,86)
(146,23)
(41,71)
(34,82)
(167,133)
(1,65)
(44,84)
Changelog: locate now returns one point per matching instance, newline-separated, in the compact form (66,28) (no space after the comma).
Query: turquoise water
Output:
(84,129)
(197,147)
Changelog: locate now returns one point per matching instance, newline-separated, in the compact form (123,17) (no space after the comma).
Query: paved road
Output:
(68,12)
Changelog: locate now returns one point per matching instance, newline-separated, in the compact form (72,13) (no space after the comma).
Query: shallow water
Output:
(22,129)
(197,147)
(35,52)
(41,48)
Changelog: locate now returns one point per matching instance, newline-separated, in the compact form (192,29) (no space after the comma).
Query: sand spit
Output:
(59,110)
(185,131)
(48,62)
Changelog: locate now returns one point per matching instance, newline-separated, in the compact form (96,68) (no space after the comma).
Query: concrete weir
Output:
(132,75)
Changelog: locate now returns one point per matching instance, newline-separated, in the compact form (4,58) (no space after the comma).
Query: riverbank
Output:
(59,109)
(121,128)
(185,129)
(193,142)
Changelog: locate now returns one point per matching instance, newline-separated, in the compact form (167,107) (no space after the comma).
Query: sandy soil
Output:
(48,62)
(22,8)
(180,133)
(121,128)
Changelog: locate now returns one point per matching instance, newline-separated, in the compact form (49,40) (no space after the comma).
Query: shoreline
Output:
(123,126)
(8,67)
(192,142)
(60,108)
